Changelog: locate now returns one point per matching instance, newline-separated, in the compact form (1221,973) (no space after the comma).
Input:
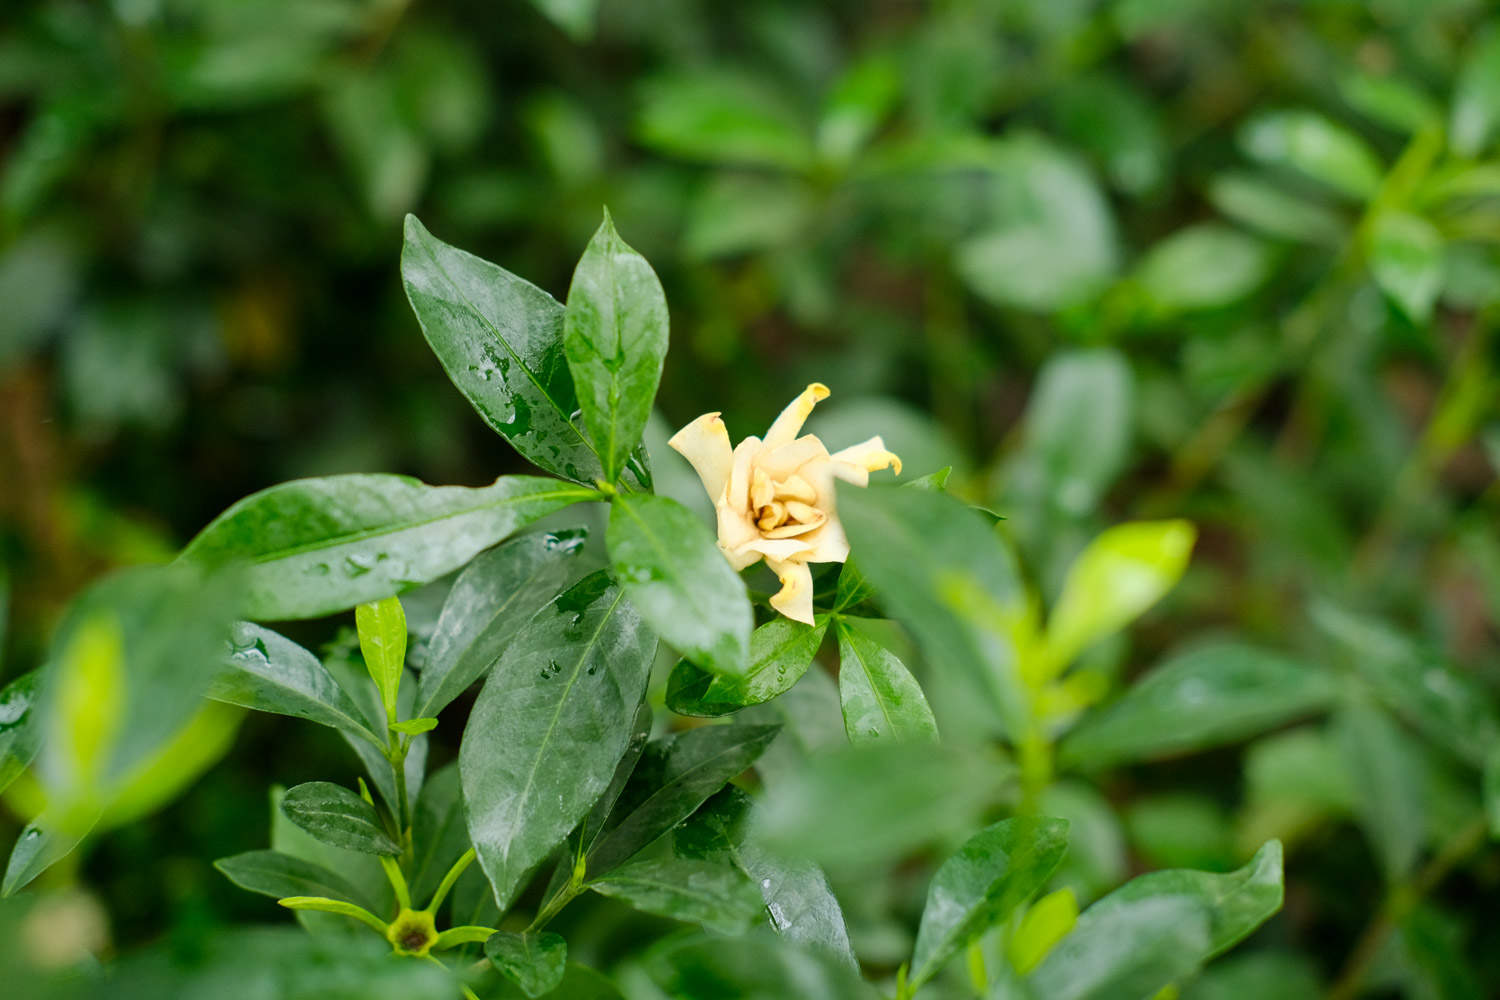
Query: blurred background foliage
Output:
(1109,259)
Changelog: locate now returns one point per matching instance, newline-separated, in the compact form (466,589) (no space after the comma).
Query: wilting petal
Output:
(794,416)
(795,599)
(869,455)
(705,443)
(781,463)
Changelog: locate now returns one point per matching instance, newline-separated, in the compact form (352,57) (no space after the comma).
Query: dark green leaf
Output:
(781,650)
(501,341)
(995,871)
(756,967)
(615,340)
(311,547)
(270,673)
(669,565)
(550,725)
(640,735)
(337,816)
(1128,950)
(352,677)
(534,962)
(880,698)
(438,834)
(1212,694)
(490,602)
(716,896)
(278,875)
(674,777)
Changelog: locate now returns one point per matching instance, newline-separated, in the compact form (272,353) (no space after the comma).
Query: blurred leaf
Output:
(715,896)
(746,213)
(1491,790)
(1265,206)
(198,745)
(1406,258)
(1203,267)
(270,673)
(781,650)
(38,278)
(1208,695)
(337,816)
(1107,118)
(1387,777)
(492,600)
(674,777)
(1312,145)
(857,104)
(1124,949)
(20,733)
(615,340)
(1124,571)
(311,547)
(880,698)
(534,962)
(757,967)
(1430,955)
(1096,842)
(1476,95)
(722,117)
(382,641)
(42,844)
(1390,100)
(1180,830)
(995,871)
(1282,974)
(549,726)
(924,444)
(669,565)
(277,875)
(382,144)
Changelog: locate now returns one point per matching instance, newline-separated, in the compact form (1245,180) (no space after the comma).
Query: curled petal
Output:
(737,490)
(792,418)
(781,463)
(795,597)
(762,490)
(775,548)
(705,443)
(794,487)
(869,455)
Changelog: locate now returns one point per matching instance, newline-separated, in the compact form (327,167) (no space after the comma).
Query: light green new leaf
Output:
(492,599)
(995,871)
(1203,267)
(267,672)
(1310,144)
(668,564)
(718,897)
(1047,921)
(1124,571)
(534,962)
(500,340)
(1406,259)
(549,727)
(278,875)
(615,340)
(337,816)
(1129,950)
(1476,95)
(880,698)
(1211,694)
(382,641)
(312,547)
(781,650)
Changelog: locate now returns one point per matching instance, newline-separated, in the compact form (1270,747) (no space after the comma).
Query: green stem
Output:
(458,869)
(397,880)
(553,906)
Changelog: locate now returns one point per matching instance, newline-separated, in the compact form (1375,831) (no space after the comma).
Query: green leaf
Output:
(1124,571)
(270,673)
(1406,254)
(1388,778)
(672,570)
(1264,205)
(740,214)
(717,117)
(1046,922)
(349,671)
(414,727)
(362,873)
(1117,125)
(500,339)
(337,816)
(1203,267)
(576,18)
(1128,950)
(857,103)
(1209,695)
(716,896)
(20,735)
(41,845)
(1260,973)
(439,833)
(1312,145)
(492,599)
(1476,95)
(756,967)
(995,871)
(615,340)
(1390,100)
(781,650)
(550,725)
(534,962)
(382,641)
(312,547)
(674,777)
(322,904)
(880,698)
(278,875)
(593,825)
(939,569)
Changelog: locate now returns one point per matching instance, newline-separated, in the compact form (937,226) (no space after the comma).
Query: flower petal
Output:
(737,489)
(792,418)
(829,545)
(869,455)
(774,548)
(795,597)
(705,443)
(780,463)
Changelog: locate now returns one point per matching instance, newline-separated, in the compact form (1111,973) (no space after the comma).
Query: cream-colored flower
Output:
(774,497)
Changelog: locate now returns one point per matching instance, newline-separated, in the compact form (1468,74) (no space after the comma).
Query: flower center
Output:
(784,508)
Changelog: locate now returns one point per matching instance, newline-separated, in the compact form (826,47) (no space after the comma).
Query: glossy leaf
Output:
(42,844)
(549,726)
(278,875)
(1132,949)
(534,962)
(337,816)
(781,650)
(640,735)
(995,871)
(1308,143)
(673,572)
(615,340)
(1203,267)
(350,673)
(500,340)
(880,698)
(311,547)
(20,735)
(270,673)
(382,641)
(492,599)
(1211,694)
(1406,258)
(674,777)
(716,896)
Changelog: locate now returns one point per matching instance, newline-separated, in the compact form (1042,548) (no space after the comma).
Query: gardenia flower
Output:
(774,497)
